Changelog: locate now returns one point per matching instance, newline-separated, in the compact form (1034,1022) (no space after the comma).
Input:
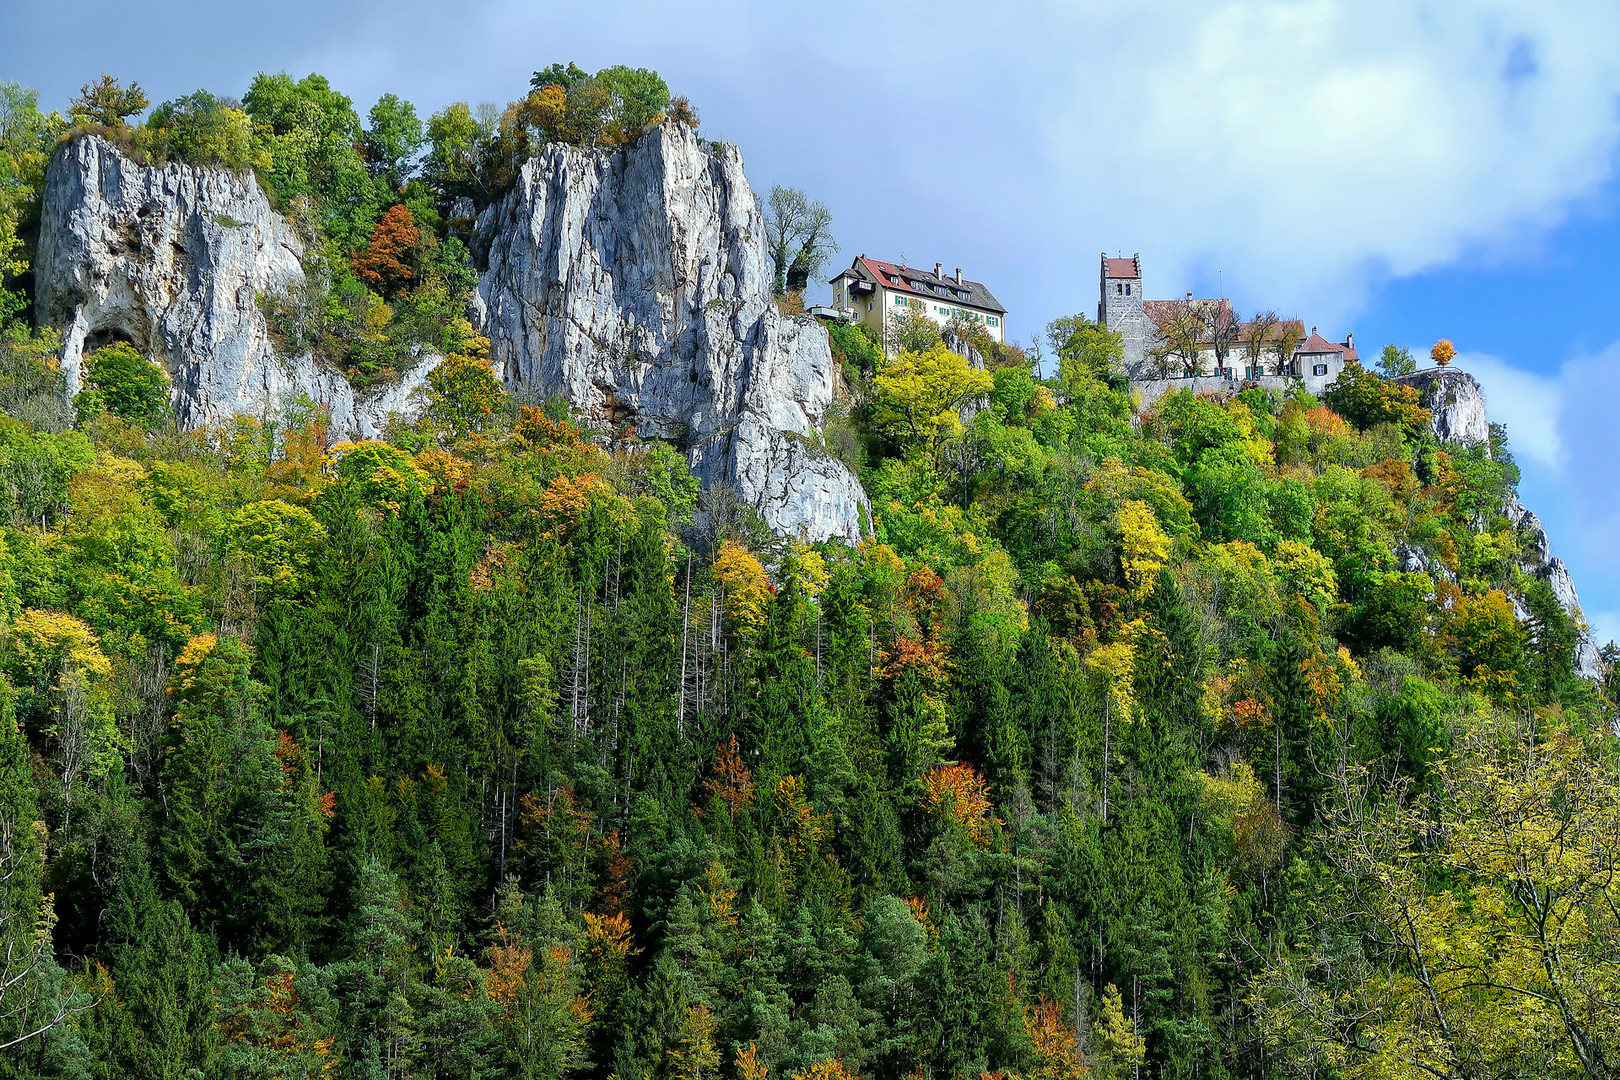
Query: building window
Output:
(869,305)
(898,300)
(1127,290)
(1227,373)
(1119,290)
(1319,369)
(992,320)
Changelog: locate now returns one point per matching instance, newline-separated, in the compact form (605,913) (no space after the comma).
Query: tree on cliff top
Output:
(798,231)
(108,102)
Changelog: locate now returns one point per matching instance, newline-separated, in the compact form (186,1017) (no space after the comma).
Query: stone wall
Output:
(1149,391)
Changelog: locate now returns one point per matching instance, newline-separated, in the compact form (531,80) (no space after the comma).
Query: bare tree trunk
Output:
(1108,715)
(686,626)
(72,738)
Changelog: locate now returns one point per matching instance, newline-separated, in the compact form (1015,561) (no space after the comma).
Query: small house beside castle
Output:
(870,290)
(1200,343)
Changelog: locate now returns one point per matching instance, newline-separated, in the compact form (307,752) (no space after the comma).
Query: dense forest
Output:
(1125,746)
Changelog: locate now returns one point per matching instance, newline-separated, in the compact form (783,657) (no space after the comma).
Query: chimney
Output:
(1313,331)
(1189,296)
(939,270)
(959,275)
(1349,341)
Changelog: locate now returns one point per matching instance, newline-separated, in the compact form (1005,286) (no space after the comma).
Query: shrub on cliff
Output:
(201,129)
(129,385)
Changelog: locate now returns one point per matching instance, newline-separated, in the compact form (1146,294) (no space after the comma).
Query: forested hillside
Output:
(1124,746)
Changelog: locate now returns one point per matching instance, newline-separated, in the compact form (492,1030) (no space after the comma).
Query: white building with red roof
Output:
(1201,343)
(874,292)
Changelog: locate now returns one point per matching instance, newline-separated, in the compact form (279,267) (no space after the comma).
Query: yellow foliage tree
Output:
(830,1069)
(280,541)
(1506,965)
(384,475)
(1120,1050)
(743,586)
(1143,546)
(959,793)
(920,396)
(694,1055)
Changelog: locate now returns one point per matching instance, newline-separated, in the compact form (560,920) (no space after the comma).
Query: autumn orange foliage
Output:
(1250,713)
(802,827)
(749,1067)
(509,961)
(608,947)
(613,873)
(920,646)
(567,498)
(731,783)
(960,794)
(1056,1052)
(831,1069)
(379,264)
(536,429)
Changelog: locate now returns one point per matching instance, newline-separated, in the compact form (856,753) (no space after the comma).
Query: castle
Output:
(1203,345)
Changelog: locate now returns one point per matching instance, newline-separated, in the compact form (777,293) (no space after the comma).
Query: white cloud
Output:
(1303,147)
(1529,403)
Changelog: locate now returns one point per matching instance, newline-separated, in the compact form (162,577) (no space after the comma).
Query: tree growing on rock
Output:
(129,385)
(798,232)
(108,102)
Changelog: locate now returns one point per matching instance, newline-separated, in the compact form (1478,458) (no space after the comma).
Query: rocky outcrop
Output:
(1456,402)
(173,259)
(1458,406)
(1538,561)
(635,283)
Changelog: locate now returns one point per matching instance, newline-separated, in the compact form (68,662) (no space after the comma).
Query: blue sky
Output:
(1403,170)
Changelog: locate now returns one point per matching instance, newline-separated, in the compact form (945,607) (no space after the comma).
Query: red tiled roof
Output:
(1122,268)
(1318,345)
(1157,310)
(924,283)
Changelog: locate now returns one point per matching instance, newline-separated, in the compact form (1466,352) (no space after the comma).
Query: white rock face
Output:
(1458,405)
(1457,402)
(635,284)
(173,259)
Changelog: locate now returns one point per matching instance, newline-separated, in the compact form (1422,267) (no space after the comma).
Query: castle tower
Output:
(1120,307)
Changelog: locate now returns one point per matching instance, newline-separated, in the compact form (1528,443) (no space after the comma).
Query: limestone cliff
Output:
(1457,403)
(635,283)
(173,259)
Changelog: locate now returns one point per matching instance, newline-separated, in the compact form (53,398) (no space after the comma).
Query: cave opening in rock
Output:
(100,339)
